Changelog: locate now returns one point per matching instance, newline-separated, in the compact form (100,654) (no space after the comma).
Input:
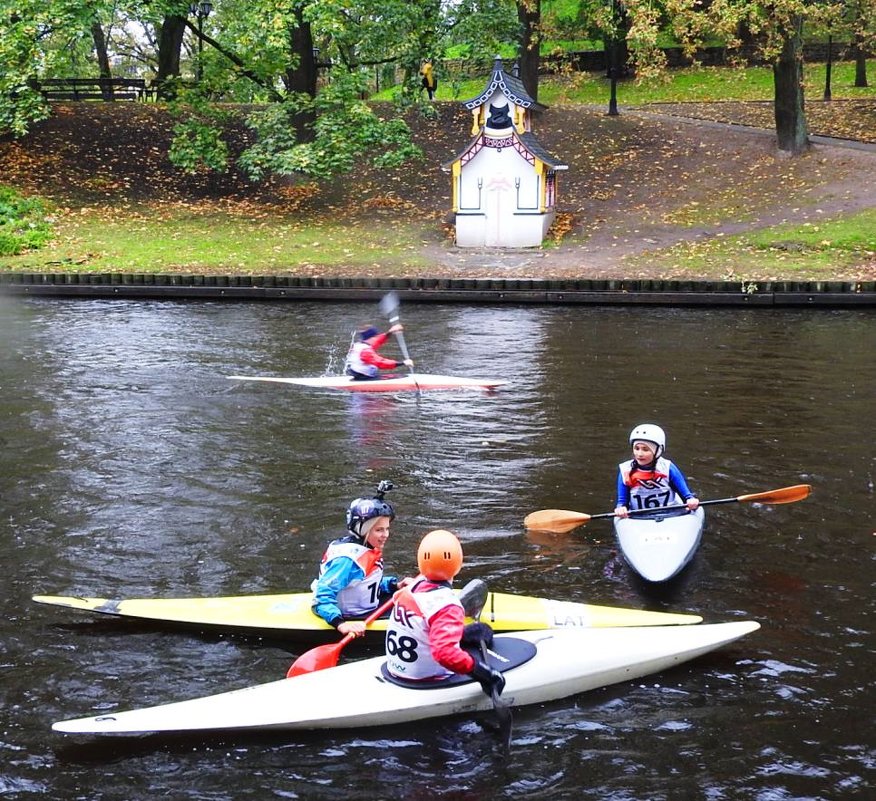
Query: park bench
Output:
(106,89)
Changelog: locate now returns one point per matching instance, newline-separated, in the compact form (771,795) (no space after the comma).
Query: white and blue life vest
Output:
(649,489)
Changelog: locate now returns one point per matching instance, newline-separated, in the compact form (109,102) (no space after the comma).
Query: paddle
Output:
(389,304)
(326,656)
(561,520)
(500,707)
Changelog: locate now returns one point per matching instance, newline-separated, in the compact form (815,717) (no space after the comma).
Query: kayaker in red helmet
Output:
(363,362)
(426,631)
(351,583)
(649,480)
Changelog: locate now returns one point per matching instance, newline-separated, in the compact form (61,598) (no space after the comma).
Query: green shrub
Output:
(23,223)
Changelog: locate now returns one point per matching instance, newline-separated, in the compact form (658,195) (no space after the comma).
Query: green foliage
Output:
(197,144)
(23,223)
(198,147)
(346,132)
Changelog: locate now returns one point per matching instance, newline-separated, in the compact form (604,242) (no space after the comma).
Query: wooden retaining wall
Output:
(443,290)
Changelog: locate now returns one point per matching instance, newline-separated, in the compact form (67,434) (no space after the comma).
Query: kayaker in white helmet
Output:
(351,583)
(649,480)
(426,635)
(363,362)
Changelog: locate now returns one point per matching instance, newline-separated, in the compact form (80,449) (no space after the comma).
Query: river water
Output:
(133,467)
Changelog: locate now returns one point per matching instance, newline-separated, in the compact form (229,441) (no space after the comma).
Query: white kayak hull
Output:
(413,382)
(658,548)
(357,695)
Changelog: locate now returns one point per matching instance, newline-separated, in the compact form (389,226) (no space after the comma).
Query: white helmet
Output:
(650,433)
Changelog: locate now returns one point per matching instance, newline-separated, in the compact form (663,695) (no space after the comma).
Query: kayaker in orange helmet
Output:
(426,632)
(649,480)
(351,583)
(363,362)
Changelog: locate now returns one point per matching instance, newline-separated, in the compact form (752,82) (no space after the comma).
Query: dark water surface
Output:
(133,467)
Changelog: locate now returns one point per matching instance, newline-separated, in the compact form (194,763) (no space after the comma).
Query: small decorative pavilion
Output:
(504,181)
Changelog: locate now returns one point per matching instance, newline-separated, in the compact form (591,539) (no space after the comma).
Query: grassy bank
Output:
(692,85)
(644,196)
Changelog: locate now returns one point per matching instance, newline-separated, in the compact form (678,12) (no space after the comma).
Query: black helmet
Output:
(363,509)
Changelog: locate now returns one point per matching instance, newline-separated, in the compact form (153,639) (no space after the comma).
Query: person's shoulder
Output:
(344,546)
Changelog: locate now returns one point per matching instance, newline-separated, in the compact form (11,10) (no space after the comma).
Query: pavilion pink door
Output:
(499,209)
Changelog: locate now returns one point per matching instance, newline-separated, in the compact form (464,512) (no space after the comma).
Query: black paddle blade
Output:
(502,708)
(389,303)
(473,596)
(505,721)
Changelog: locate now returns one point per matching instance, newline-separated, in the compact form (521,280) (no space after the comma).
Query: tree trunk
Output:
(792,134)
(302,79)
(860,61)
(169,45)
(529,53)
(102,58)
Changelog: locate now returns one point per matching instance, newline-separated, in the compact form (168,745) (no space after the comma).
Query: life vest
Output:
(408,648)
(354,360)
(359,597)
(649,488)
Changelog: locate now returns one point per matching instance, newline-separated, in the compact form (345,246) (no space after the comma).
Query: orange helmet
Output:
(439,555)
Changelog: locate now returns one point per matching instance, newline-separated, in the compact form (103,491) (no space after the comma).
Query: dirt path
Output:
(730,173)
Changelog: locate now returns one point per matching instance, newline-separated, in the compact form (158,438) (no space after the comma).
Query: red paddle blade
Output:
(319,658)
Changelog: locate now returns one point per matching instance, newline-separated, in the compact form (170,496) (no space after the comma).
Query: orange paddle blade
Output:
(556,520)
(784,495)
(319,658)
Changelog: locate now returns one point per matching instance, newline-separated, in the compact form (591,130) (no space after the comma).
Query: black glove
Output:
(476,633)
(490,680)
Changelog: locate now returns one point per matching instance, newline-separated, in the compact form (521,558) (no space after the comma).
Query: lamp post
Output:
(612,66)
(828,65)
(612,77)
(201,11)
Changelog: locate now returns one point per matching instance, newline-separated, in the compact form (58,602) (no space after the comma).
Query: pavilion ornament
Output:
(503,181)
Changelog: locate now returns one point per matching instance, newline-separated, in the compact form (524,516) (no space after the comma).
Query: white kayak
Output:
(412,382)
(358,694)
(658,546)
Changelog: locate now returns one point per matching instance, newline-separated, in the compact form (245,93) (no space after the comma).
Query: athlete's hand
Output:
(476,633)
(354,627)
(489,679)
(621,511)
(409,363)
(394,329)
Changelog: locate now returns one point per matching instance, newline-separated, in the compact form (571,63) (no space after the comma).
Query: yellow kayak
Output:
(290,614)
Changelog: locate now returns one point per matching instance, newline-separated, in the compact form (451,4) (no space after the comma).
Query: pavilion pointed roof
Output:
(510,85)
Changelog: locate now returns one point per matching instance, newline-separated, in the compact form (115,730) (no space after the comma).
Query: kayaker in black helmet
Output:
(363,362)
(426,635)
(351,583)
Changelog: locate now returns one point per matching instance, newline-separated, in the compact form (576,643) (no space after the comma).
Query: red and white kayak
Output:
(412,382)
(551,665)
